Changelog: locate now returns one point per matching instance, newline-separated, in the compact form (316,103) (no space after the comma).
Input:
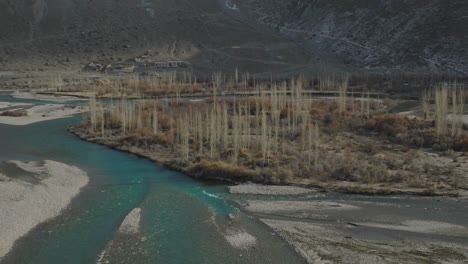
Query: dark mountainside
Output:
(427,34)
(253,35)
(66,33)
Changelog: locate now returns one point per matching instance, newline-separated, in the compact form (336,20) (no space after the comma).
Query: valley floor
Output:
(358,153)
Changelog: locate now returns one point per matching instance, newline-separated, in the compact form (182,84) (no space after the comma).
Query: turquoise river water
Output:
(183,220)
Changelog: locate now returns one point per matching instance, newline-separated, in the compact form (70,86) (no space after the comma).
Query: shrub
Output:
(220,169)
(318,112)
(15,113)
(165,122)
(390,125)
(343,174)
(112,122)
(143,132)
(285,112)
(461,144)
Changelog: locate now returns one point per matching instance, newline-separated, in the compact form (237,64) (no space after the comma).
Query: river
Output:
(188,221)
(183,220)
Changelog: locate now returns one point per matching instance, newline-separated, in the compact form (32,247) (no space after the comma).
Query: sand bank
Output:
(126,242)
(240,239)
(269,190)
(131,223)
(24,204)
(271,207)
(4,105)
(424,227)
(41,113)
(325,232)
(326,243)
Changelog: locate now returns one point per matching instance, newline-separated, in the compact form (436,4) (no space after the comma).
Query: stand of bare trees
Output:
(278,125)
(256,131)
(448,109)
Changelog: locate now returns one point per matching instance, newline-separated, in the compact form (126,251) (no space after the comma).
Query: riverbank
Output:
(327,243)
(224,172)
(44,96)
(340,230)
(25,114)
(32,193)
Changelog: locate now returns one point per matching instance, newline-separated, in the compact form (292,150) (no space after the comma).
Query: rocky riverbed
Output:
(336,228)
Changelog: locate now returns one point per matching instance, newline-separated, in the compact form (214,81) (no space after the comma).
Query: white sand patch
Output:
(131,223)
(41,113)
(426,227)
(101,257)
(24,205)
(211,195)
(269,190)
(10,104)
(237,237)
(35,167)
(44,97)
(260,206)
(4,105)
(3,177)
(240,239)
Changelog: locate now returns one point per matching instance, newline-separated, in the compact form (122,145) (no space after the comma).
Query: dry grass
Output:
(280,134)
(390,125)
(15,113)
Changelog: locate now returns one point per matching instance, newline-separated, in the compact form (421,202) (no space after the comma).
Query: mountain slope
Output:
(65,33)
(430,34)
(254,35)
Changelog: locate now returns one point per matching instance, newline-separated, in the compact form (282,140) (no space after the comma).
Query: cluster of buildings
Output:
(135,65)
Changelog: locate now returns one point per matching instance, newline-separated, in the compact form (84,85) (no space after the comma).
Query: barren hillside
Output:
(395,34)
(56,33)
(255,35)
